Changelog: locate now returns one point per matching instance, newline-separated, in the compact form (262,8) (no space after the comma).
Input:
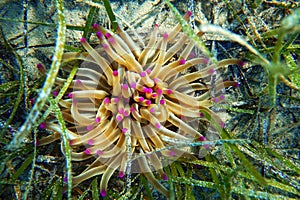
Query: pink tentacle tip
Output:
(71,142)
(156,25)
(165,35)
(106,100)
(192,55)
(201,114)
(115,73)
(172,153)
(143,74)
(148,102)
(83,40)
(55,93)
(222,124)
(78,81)
(70,95)
(141,99)
(99,35)
(65,179)
(121,174)
(105,46)
(124,86)
(126,113)
(162,101)
(96,26)
(154,95)
(152,110)
(159,91)
(103,193)
(111,40)
(87,151)
(43,125)
(211,71)
(133,85)
(222,97)
(242,63)
(98,119)
(164,177)
(148,71)
(149,91)
(90,142)
(188,13)
(145,89)
(157,125)
(119,118)
(182,61)
(202,138)
(107,35)
(237,84)
(216,100)
(121,111)
(99,152)
(89,127)
(206,60)
(124,130)
(169,91)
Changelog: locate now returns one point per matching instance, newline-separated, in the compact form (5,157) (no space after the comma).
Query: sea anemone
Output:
(132,105)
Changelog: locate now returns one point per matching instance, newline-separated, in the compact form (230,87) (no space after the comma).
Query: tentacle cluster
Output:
(128,101)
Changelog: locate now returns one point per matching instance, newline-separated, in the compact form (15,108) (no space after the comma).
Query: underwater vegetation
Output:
(123,115)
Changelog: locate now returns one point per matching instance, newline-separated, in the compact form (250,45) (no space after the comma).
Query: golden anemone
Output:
(131,104)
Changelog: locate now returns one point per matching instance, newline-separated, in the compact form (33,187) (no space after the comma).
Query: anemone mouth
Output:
(131,108)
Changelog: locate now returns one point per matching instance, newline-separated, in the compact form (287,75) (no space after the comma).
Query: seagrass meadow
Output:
(149,99)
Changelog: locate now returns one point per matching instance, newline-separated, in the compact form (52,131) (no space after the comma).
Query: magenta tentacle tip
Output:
(87,151)
(172,153)
(107,35)
(43,125)
(165,35)
(115,73)
(162,101)
(164,177)
(189,13)
(124,86)
(111,40)
(89,127)
(55,93)
(99,152)
(90,142)
(202,138)
(201,114)
(222,97)
(96,26)
(98,119)
(157,125)
(143,74)
(82,40)
(182,61)
(211,71)
(70,95)
(103,193)
(121,174)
